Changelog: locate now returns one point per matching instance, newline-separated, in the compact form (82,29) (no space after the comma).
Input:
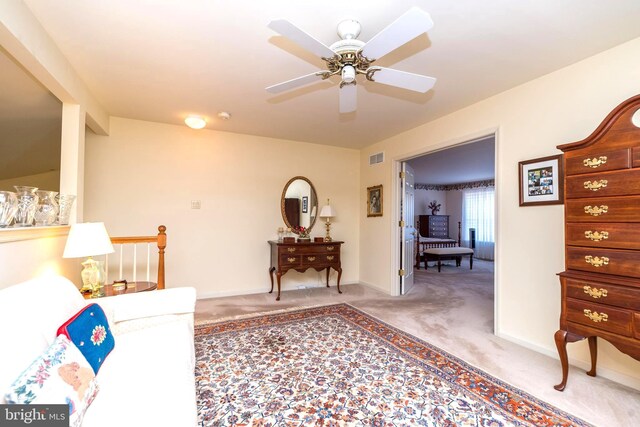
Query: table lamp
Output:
(87,240)
(327,213)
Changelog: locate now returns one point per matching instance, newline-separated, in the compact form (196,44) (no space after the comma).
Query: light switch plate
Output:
(195,204)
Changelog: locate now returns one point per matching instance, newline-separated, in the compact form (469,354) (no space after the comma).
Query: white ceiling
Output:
(463,163)
(160,60)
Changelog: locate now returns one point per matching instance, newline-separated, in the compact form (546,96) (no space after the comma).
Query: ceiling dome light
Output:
(224,115)
(195,122)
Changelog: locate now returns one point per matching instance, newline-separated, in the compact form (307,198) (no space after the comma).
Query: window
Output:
(478,212)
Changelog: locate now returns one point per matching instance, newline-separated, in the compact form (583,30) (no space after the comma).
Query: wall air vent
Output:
(376,158)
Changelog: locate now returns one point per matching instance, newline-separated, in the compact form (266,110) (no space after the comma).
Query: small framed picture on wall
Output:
(305,204)
(541,181)
(374,200)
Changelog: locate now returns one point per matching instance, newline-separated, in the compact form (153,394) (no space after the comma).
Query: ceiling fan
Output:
(350,57)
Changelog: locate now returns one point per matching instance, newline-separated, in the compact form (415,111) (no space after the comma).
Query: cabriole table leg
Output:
(561,343)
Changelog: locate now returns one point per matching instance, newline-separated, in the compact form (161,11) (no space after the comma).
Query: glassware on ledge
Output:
(65,202)
(8,207)
(27,204)
(47,208)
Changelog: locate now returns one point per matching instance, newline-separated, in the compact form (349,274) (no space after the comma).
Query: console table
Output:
(301,257)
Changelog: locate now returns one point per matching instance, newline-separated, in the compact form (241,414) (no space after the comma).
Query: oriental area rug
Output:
(338,366)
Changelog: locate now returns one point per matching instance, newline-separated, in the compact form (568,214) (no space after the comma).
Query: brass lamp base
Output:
(328,238)
(92,278)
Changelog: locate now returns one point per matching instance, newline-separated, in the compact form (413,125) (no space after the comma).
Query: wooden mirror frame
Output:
(282,205)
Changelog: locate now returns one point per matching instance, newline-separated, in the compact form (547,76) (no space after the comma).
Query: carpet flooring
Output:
(336,365)
(459,320)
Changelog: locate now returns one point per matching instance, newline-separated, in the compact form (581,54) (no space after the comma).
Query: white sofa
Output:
(148,378)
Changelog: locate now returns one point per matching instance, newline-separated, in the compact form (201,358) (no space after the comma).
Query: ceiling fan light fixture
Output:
(348,74)
(195,122)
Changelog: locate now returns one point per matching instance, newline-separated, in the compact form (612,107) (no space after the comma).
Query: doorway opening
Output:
(447,206)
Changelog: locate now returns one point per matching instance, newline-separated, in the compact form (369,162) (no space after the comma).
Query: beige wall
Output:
(532,120)
(145,174)
(35,257)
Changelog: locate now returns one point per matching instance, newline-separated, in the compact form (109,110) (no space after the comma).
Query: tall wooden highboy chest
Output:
(600,287)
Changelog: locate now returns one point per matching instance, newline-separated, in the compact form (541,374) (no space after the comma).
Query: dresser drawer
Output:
(603,293)
(600,316)
(602,161)
(289,260)
(309,249)
(335,249)
(605,261)
(636,326)
(439,234)
(320,259)
(604,235)
(604,209)
(439,219)
(618,183)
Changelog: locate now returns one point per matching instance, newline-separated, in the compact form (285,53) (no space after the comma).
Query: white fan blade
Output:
(403,79)
(305,40)
(297,82)
(348,98)
(404,29)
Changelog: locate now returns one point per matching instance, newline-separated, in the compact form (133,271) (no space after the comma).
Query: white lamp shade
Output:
(327,212)
(87,239)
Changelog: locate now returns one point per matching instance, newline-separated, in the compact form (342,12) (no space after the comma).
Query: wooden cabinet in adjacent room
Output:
(600,287)
(434,226)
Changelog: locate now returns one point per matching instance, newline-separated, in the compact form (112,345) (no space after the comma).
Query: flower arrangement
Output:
(434,206)
(302,231)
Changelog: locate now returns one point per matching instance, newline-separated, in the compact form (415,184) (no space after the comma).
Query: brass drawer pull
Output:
(596,236)
(595,316)
(291,249)
(291,259)
(595,293)
(596,261)
(329,248)
(595,163)
(595,185)
(330,257)
(596,210)
(311,258)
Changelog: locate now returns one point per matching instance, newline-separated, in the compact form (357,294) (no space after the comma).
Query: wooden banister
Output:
(161,241)
(162,244)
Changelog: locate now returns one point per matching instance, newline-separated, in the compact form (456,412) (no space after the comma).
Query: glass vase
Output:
(8,207)
(65,203)
(47,208)
(27,204)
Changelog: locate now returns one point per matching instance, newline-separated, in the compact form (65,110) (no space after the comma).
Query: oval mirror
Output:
(299,203)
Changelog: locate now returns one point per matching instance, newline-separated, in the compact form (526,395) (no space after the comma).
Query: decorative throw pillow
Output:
(89,331)
(61,375)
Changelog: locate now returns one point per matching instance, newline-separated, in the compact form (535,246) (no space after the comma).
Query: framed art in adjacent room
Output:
(374,200)
(305,204)
(541,181)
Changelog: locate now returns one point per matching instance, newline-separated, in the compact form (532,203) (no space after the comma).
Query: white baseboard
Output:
(371,286)
(261,290)
(608,373)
